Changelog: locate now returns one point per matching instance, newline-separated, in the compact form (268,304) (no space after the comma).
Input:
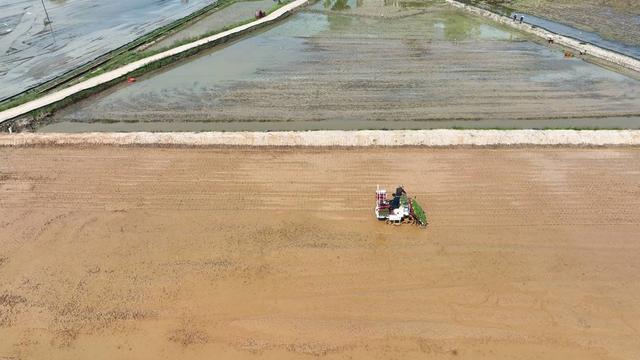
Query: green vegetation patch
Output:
(421,216)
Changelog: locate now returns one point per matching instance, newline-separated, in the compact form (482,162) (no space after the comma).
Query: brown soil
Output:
(165,253)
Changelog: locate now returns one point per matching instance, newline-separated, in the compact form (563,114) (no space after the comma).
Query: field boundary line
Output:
(337,138)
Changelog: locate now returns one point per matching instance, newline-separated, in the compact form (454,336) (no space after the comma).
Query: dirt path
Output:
(362,138)
(164,253)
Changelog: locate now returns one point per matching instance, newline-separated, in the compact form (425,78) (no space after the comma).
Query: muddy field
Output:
(232,14)
(165,253)
(617,20)
(368,65)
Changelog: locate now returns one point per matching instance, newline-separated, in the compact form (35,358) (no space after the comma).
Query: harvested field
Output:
(165,253)
(368,67)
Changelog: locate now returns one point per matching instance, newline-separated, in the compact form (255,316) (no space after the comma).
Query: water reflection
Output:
(407,4)
(457,27)
(341,70)
(339,23)
(625,48)
(338,5)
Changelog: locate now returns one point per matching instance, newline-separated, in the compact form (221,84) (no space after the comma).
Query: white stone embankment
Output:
(428,138)
(129,68)
(582,47)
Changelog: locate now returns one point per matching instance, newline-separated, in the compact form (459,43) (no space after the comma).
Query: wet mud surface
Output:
(81,30)
(616,20)
(614,25)
(161,253)
(234,13)
(368,65)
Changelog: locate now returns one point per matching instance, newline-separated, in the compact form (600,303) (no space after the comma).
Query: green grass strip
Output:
(419,212)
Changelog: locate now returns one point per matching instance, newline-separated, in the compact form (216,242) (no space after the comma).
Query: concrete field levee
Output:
(423,138)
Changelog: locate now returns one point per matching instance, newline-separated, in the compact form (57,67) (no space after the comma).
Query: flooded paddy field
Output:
(81,30)
(614,20)
(234,13)
(368,65)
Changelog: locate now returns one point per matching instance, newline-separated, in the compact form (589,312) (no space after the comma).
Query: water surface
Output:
(566,30)
(81,30)
(353,69)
